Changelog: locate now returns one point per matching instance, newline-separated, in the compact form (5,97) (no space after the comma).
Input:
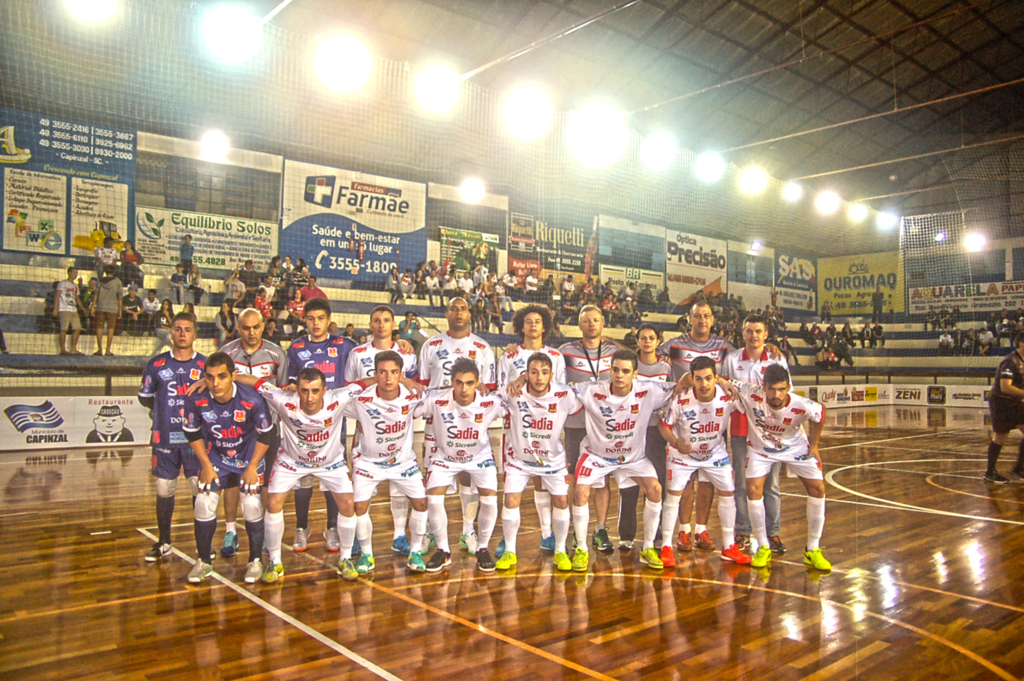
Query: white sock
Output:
(488,519)
(755,510)
(347,535)
(438,521)
(399,513)
(364,533)
(652,514)
(669,515)
(697,529)
(417,530)
(273,531)
(510,518)
(470,505)
(229,527)
(685,527)
(727,517)
(580,522)
(542,500)
(815,521)
(560,518)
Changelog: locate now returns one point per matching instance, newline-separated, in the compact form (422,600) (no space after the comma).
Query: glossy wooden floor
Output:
(927,584)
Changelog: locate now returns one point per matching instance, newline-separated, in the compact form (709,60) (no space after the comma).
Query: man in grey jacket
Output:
(108,307)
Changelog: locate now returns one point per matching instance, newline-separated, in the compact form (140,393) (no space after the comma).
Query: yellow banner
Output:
(849,282)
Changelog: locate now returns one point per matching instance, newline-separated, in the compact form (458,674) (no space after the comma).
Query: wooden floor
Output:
(927,584)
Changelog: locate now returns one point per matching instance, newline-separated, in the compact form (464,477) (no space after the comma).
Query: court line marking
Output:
(830,477)
(930,480)
(280,614)
(932,473)
(87,606)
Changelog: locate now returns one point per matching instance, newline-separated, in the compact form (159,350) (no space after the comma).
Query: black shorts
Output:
(1006,414)
(271,456)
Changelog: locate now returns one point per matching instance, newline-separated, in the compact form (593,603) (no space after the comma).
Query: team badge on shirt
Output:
(720,411)
(332,352)
(553,408)
(194,374)
(239,415)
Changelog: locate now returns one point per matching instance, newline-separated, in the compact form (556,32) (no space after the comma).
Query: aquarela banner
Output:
(984,297)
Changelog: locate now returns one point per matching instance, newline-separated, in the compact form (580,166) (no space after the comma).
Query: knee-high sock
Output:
(993,456)
(560,518)
(205,529)
(756,511)
(347,535)
(510,518)
(488,518)
(580,522)
(470,505)
(399,513)
(164,517)
(542,500)
(652,514)
(727,517)
(438,518)
(364,533)
(669,515)
(303,496)
(815,521)
(273,529)
(332,511)
(417,529)
(254,531)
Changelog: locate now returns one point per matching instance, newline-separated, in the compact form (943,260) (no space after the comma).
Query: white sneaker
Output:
(253,571)
(468,542)
(332,539)
(200,571)
(301,540)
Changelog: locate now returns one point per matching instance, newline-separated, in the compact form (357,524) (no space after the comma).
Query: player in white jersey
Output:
(360,365)
(461,417)
(436,358)
(775,435)
(536,418)
(694,427)
(384,453)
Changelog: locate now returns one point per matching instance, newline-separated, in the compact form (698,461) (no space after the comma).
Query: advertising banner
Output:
(59,422)
(694,266)
(553,248)
(618,276)
(352,225)
(925,395)
(796,282)
(220,242)
(43,212)
(988,297)
(848,282)
(467,249)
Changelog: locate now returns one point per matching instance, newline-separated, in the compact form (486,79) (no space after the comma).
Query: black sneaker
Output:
(742,542)
(1017,472)
(995,478)
(157,552)
(602,543)
(776,544)
(440,559)
(483,561)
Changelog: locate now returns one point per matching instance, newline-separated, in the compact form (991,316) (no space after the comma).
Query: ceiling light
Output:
(659,151)
(753,180)
(472,190)
(792,192)
(709,167)
(437,88)
(232,33)
(827,202)
(528,112)
(343,63)
(597,135)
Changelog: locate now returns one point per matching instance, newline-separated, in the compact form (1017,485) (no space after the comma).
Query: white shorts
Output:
(760,464)
(405,477)
(443,473)
(592,470)
(285,475)
(517,476)
(717,471)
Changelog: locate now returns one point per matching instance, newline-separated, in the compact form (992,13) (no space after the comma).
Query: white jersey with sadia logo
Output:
(361,359)
(535,424)
(386,426)
(777,433)
(310,440)
(513,364)
(617,426)
(703,424)
(442,350)
(461,432)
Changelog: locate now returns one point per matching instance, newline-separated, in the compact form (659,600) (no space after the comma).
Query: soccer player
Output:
(588,359)
(361,365)
(165,381)
(253,356)
(748,364)
(536,417)
(328,353)
(531,324)
(775,417)
(694,427)
(461,416)
(436,358)
(229,429)
(1007,411)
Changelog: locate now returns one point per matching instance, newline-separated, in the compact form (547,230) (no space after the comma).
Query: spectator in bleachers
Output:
(568,287)
(271,333)
(234,290)
(931,318)
(944,317)
(665,301)
(478,316)
(432,288)
(299,276)
(547,290)
(877,303)
(629,316)
(133,318)
(393,285)
(67,302)
(877,335)
(296,313)
(847,334)
(262,304)
(842,350)
(865,335)
(408,330)
(450,288)
(512,288)
(225,323)
(190,309)
(195,284)
(826,312)
(105,256)
(645,299)
(817,334)
(311,290)
(107,308)
(466,288)
(131,265)
(349,332)
(419,281)
(286,266)
(945,343)
(88,297)
(151,306)
(826,359)
(504,302)
(805,334)
(405,284)
(186,253)
(251,278)
(531,291)
(628,290)
(493,310)
(955,317)
(162,321)
(567,311)
(787,350)
(985,341)
(179,281)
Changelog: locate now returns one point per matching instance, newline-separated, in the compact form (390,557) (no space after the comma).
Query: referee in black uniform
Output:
(1007,408)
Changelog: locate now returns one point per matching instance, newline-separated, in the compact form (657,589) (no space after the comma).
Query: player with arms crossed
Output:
(694,427)
(229,429)
(1007,411)
(774,418)
(165,382)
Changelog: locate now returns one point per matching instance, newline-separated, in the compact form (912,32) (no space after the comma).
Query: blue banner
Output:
(796,282)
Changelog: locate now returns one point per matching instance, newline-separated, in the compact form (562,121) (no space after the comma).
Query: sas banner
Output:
(220,242)
(849,282)
(796,282)
(58,422)
(991,297)
(694,265)
(351,225)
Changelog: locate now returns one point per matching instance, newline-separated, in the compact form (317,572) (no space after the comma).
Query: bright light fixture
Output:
(343,63)
(91,11)
(528,112)
(709,167)
(940,237)
(753,180)
(659,151)
(857,212)
(232,33)
(472,190)
(597,135)
(792,192)
(886,221)
(975,241)
(827,202)
(756,245)
(214,146)
(437,88)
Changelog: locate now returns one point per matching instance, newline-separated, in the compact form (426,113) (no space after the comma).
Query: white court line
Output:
(309,631)
(894,439)
(944,475)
